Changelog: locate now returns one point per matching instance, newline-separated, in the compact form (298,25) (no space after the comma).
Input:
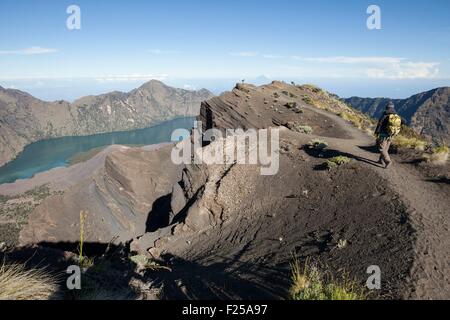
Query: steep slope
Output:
(428,113)
(226,231)
(239,229)
(118,197)
(25,119)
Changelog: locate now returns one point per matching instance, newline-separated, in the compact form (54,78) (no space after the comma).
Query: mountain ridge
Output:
(428,113)
(25,119)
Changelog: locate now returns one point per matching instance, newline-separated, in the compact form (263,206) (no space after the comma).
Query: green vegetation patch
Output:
(309,283)
(438,155)
(336,162)
(317,144)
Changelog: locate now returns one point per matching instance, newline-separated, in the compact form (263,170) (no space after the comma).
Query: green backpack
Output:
(394,124)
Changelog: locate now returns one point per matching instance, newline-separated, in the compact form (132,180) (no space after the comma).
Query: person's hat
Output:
(390,107)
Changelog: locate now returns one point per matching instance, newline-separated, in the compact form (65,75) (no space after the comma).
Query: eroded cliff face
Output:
(118,198)
(25,119)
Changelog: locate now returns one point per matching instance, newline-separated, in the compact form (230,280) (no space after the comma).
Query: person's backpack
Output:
(394,124)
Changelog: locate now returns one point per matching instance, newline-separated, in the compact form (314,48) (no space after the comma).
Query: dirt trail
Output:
(429,213)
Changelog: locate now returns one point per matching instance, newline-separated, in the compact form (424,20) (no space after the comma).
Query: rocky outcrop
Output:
(25,119)
(428,113)
(237,226)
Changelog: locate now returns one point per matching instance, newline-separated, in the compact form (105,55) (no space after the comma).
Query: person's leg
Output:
(384,150)
(380,150)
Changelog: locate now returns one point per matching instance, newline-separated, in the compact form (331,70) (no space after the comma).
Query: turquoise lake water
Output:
(48,154)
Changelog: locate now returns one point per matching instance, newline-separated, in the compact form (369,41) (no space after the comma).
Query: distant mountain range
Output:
(428,113)
(25,119)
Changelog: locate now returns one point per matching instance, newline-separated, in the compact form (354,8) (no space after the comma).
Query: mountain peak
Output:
(152,84)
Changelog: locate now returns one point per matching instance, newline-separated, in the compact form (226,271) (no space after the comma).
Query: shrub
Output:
(336,161)
(438,155)
(441,149)
(354,118)
(291,105)
(308,100)
(297,127)
(310,284)
(401,141)
(305,129)
(311,87)
(317,144)
(18,283)
(143,262)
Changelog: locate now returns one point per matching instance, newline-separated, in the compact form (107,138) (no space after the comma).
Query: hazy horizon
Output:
(72,89)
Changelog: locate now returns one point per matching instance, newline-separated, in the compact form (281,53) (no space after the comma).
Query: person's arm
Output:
(379,125)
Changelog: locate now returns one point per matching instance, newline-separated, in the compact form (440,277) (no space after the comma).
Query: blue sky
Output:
(211,44)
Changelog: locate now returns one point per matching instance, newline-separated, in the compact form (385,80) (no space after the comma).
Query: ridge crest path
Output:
(428,211)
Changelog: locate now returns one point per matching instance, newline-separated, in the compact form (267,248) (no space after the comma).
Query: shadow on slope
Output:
(222,280)
(331,153)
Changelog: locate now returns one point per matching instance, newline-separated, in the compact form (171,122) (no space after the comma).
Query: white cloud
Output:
(244,54)
(272,56)
(355,60)
(130,77)
(162,52)
(383,67)
(28,51)
(406,70)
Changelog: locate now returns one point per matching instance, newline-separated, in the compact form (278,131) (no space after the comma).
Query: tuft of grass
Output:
(438,155)
(19,283)
(291,105)
(84,262)
(356,119)
(297,127)
(308,100)
(308,283)
(336,162)
(317,144)
(401,141)
(145,263)
(311,87)
(304,129)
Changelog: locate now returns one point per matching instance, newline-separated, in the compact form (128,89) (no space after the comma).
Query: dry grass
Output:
(19,283)
(308,283)
(359,120)
(145,263)
(438,155)
(402,141)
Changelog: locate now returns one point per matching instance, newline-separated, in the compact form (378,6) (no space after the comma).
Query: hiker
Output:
(388,126)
